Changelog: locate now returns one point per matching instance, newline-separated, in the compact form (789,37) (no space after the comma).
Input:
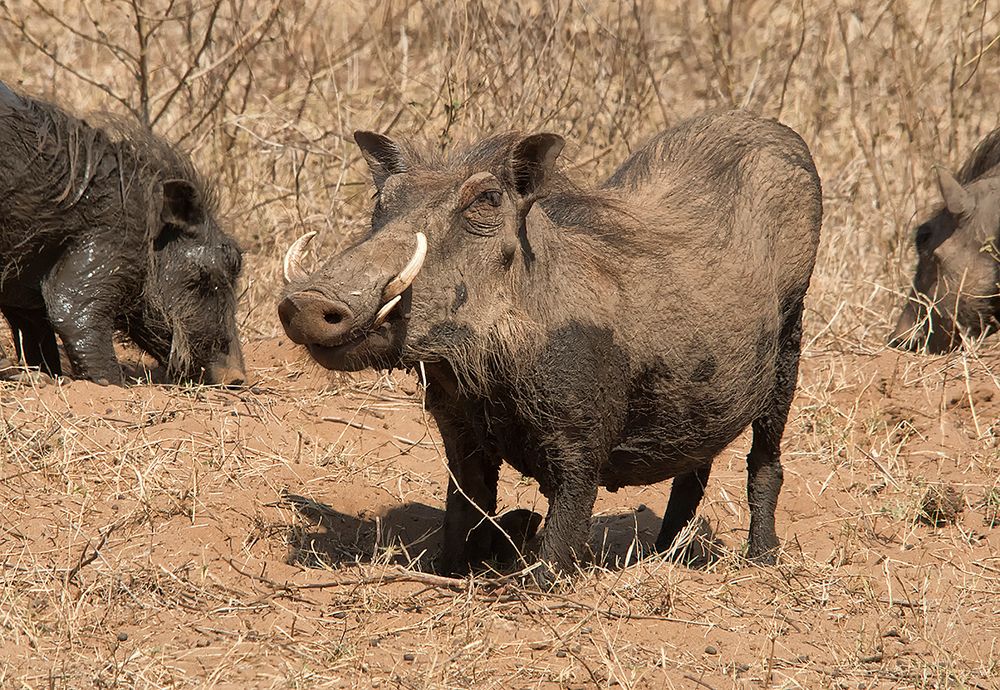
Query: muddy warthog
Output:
(607,337)
(956,287)
(106,230)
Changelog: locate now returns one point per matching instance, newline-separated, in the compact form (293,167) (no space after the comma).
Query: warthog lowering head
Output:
(956,288)
(187,314)
(448,228)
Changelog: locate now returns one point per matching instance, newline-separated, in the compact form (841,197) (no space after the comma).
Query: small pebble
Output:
(742,667)
(891,632)
(802,659)
(561,654)
(122,636)
(587,630)
(711,650)
(409,656)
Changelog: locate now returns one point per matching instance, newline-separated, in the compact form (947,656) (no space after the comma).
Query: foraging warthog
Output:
(104,230)
(615,336)
(956,288)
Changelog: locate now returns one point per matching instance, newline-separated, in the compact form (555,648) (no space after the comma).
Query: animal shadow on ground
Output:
(409,535)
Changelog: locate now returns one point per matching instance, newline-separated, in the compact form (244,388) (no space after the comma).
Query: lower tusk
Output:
(385,311)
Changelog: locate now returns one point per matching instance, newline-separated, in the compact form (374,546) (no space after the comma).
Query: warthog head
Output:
(956,288)
(439,264)
(186,317)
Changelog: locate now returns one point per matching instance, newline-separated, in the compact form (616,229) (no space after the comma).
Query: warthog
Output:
(956,287)
(106,230)
(608,337)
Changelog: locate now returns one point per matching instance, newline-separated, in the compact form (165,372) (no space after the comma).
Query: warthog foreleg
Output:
(571,499)
(81,298)
(471,500)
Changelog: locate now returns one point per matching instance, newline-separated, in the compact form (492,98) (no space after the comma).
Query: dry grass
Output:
(156,537)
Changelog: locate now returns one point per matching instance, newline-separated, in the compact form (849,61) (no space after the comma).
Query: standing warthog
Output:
(610,337)
(956,288)
(105,230)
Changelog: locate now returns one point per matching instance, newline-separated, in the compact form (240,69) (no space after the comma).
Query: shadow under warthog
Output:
(410,534)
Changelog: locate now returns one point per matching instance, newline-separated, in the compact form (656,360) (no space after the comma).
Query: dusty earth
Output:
(282,536)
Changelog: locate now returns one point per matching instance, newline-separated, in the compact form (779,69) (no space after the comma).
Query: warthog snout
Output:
(309,318)
(228,370)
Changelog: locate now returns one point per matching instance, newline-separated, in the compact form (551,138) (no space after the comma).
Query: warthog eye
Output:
(492,197)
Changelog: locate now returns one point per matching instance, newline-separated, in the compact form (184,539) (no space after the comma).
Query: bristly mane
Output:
(134,144)
(984,158)
(160,157)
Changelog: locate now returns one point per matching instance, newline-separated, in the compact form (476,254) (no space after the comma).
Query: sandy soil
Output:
(281,536)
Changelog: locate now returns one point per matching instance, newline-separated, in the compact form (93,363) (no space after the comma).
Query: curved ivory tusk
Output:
(385,310)
(293,258)
(397,286)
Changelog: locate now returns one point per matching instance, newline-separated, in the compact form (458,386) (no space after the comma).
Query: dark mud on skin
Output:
(109,230)
(616,336)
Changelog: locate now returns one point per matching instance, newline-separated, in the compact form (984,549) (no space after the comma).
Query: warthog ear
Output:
(956,198)
(182,205)
(532,162)
(383,155)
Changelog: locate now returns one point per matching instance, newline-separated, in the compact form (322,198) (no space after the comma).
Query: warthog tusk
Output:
(293,258)
(384,311)
(397,286)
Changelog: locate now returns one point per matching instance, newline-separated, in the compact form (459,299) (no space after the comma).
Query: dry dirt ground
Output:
(280,536)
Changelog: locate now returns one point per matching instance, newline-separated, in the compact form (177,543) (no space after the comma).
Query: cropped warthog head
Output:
(956,288)
(439,264)
(186,316)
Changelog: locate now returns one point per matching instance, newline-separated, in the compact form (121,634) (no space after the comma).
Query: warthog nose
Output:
(229,370)
(309,318)
(225,376)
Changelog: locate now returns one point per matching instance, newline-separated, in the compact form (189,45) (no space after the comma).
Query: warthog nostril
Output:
(309,318)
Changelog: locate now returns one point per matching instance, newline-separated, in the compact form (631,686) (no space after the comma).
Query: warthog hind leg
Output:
(764,476)
(685,495)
